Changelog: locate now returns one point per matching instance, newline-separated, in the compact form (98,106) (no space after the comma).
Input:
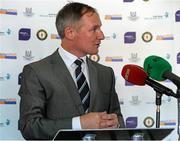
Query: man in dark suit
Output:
(51,92)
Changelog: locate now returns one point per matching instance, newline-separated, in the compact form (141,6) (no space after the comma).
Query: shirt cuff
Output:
(76,123)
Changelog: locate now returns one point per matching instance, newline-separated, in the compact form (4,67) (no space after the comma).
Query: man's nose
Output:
(101,35)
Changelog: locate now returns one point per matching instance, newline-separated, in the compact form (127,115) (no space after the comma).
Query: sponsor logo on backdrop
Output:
(41,34)
(49,15)
(134,57)
(95,57)
(150,102)
(121,101)
(28,12)
(114,59)
(158,17)
(129,37)
(19,79)
(7,32)
(178,58)
(113,36)
(8,56)
(7,101)
(133,16)
(148,122)
(28,55)
(55,36)
(135,100)
(5,77)
(8,11)
(147,37)
(113,17)
(177,16)
(165,37)
(128,0)
(165,99)
(5,123)
(2,33)
(166,15)
(131,122)
(167,56)
(24,34)
(168,122)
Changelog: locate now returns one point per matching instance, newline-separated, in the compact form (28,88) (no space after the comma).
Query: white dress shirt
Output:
(69,59)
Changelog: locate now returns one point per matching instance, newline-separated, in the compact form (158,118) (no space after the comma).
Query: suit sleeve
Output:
(33,122)
(114,102)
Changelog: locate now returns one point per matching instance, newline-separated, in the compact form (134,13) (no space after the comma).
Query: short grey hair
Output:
(70,14)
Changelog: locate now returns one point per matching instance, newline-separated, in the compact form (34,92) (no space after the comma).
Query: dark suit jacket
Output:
(50,99)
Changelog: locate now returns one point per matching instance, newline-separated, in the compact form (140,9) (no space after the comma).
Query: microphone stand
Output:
(178,105)
(158,104)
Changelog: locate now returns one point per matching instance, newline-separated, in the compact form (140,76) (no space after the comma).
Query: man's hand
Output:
(97,120)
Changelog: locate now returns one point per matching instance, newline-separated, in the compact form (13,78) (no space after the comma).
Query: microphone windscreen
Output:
(134,74)
(156,66)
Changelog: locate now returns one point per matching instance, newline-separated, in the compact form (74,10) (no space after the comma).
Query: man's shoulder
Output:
(97,64)
(43,61)
(40,62)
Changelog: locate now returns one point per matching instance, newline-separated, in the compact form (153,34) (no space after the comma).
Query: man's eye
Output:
(94,29)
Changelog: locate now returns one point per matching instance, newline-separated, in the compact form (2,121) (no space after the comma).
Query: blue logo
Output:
(178,58)
(24,34)
(129,37)
(128,0)
(177,16)
(19,78)
(131,122)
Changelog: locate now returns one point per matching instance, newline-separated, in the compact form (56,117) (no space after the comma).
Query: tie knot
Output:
(78,62)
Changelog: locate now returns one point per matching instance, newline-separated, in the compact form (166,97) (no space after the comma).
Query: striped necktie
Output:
(82,85)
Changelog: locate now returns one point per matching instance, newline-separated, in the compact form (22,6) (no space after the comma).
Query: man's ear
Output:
(69,32)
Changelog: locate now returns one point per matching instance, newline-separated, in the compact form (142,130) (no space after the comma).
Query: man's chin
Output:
(94,52)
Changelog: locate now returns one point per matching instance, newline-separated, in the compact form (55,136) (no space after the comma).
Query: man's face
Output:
(89,35)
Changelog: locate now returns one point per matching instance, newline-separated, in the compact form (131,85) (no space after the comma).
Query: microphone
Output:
(159,69)
(136,75)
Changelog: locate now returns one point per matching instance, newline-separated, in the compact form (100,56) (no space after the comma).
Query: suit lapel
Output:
(64,77)
(93,84)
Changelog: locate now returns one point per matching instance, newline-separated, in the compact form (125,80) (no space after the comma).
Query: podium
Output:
(114,134)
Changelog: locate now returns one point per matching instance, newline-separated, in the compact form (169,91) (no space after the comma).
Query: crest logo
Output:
(95,57)
(148,121)
(147,37)
(41,34)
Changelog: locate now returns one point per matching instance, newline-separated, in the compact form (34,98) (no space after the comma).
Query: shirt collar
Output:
(69,58)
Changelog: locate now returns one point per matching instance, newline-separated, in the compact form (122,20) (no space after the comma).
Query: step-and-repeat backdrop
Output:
(134,30)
